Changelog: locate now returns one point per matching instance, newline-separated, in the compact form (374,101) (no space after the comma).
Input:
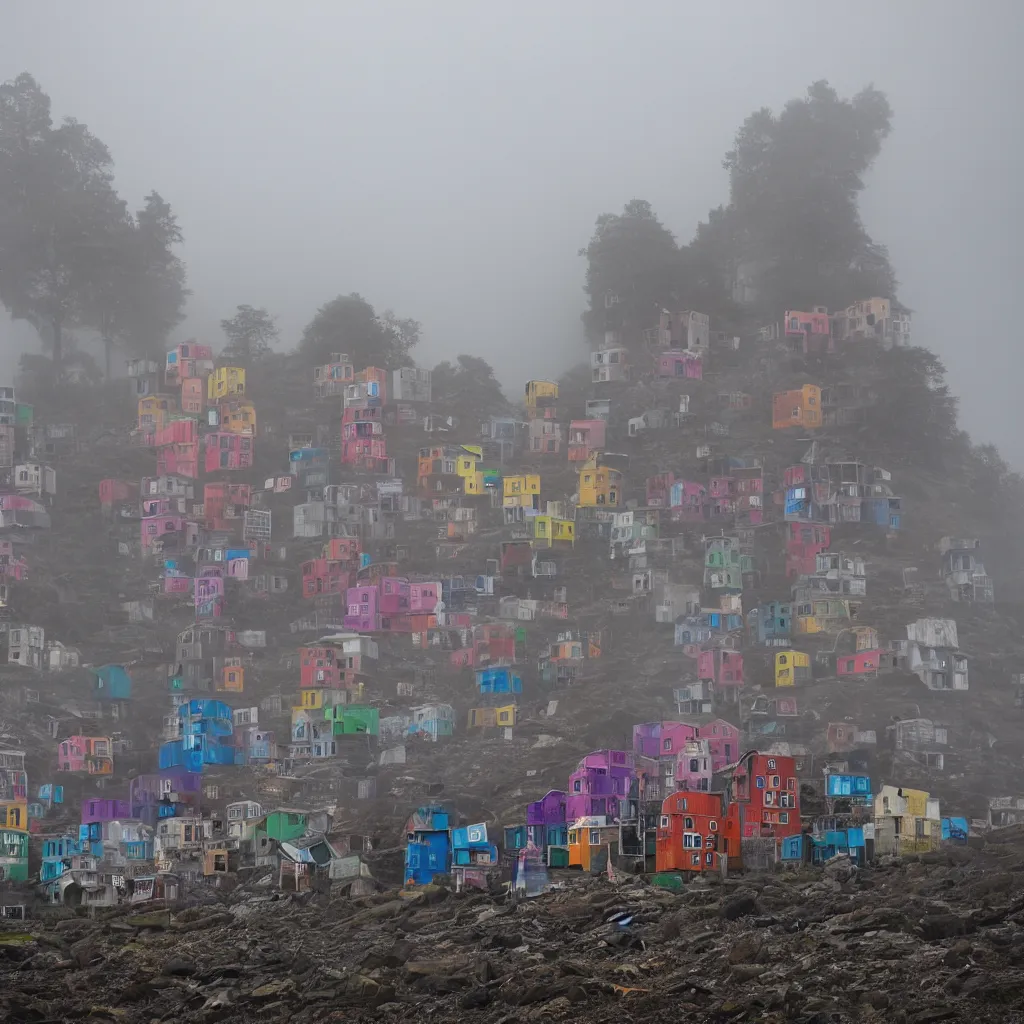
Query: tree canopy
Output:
(60,218)
(251,334)
(349,324)
(468,386)
(71,256)
(794,183)
(633,258)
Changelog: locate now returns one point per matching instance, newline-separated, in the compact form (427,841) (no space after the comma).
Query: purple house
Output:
(550,809)
(694,766)
(362,608)
(600,781)
(97,808)
(172,787)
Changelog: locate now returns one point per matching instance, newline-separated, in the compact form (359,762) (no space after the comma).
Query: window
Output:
(695,860)
(577,786)
(776,782)
(713,825)
(791,784)
(759,782)
(667,744)
(688,823)
(664,821)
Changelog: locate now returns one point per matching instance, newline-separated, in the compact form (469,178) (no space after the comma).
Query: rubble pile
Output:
(929,937)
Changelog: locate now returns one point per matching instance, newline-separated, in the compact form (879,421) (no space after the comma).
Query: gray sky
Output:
(449,159)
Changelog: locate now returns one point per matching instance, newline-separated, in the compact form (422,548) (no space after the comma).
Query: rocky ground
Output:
(936,937)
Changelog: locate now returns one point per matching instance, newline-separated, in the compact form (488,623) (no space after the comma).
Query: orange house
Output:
(800,408)
(691,832)
(591,840)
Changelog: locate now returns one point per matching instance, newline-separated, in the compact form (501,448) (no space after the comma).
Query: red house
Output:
(659,489)
(763,797)
(690,832)
(178,460)
(804,542)
(228,451)
(324,576)
(863,663)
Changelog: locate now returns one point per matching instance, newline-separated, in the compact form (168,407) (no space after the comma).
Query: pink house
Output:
(694,766)
(176,432)
(160,527)
(662,739)
(112,491)
(228,451)
(862,663)
(721,486)
(676,363)
(393,596)
(813,330)
(193,395)
(688,501)
(359,448)
(423,597)
(724,669)
(92,754)
(585,438)
(362,612)
(723,740)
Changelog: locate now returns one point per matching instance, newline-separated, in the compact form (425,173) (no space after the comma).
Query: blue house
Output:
(955,830)
(470,847)
(835,842)
(793,849)
(112,683)
(498,680)
(428,845)
(771,621)
(57,853)
(854,788)
(206,737)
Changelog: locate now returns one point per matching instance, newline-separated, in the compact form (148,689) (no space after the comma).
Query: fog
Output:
(449,159)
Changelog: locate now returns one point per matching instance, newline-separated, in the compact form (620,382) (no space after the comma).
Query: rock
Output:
(941,926)
(273,989)
(746,950)
(475,999)
(739,906)
(178,968)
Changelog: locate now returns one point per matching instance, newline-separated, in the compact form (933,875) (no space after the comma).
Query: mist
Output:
(449,160)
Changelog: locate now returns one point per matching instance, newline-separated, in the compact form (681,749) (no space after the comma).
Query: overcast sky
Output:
(448,159)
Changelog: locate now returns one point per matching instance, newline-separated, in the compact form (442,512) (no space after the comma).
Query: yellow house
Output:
(486,718)
(540,393)
(547,530)
(317,700)
(227,380)
(468,459)
(155,412)
(521,491)
(14,813)
(915,816)
(600,486)
(238,417)
(792,667)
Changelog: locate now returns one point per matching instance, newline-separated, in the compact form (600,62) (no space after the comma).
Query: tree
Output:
(251,334)
(348,324)
(794,183)
(60,218)
(467,388)
(633,259)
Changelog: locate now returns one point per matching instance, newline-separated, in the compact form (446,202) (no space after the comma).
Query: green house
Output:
(353,719)
(13,855)
(283,825)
